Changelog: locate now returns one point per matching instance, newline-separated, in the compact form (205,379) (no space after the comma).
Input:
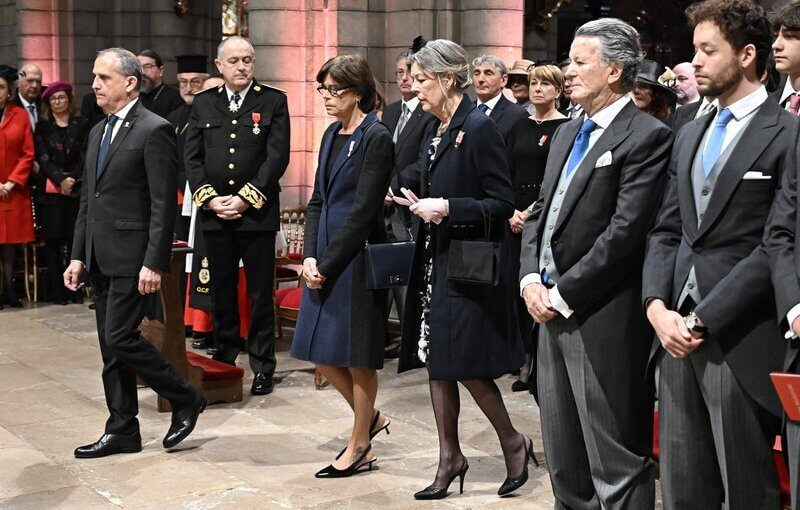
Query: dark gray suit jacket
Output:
(598,247)
(783,248)
(726,248)
(125,219)
(684,115)
(505,114)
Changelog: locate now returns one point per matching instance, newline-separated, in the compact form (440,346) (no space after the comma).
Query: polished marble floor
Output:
(259,453)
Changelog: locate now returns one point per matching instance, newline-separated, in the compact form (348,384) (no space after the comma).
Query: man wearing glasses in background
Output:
(156,96)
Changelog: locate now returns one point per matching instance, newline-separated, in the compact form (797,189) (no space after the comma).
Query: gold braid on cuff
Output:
(252,195)
(204,193)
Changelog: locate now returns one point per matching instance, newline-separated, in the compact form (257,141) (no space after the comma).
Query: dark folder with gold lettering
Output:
(788,388)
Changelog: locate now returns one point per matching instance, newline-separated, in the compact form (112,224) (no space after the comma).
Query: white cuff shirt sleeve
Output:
(791,316)
(529,279)
(558,302)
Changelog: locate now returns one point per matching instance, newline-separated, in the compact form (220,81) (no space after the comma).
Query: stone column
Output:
(293,38)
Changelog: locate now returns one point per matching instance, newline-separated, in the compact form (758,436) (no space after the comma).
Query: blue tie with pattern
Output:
(483,108)
(581,145)
(714,147)
(105,144)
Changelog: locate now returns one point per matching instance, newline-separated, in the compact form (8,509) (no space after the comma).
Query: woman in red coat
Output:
(16,160)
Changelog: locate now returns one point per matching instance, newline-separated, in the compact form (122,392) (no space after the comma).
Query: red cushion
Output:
(214,370)
(294,256)
(289,298)
(286,272)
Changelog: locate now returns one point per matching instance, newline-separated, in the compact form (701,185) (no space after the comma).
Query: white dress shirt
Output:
(603,119)
(788,90)
(33,117)
(743,111)
(490,103)
(242,94)
(121,115)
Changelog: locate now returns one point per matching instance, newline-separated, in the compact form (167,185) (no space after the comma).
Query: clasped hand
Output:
(229,207)
(5,190)
(429,209)
(677,339)
(537,301)
(311,275)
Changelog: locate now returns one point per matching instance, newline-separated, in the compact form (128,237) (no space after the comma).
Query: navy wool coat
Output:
(344,324)
(473,328)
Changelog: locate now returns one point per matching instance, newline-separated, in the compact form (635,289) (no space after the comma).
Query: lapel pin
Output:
(127,125)
(542,140)
(256,116)
(459,138)
(352,146)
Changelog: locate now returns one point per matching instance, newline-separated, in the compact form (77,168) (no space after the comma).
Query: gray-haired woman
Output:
(462,332)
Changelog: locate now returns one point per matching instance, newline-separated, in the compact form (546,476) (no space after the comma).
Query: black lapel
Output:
(352,147)
(92,149)
(755,138)
(391,115)
(616,133)
(460,115)
(250,101)
(499,108)
(413,120)
(124,129)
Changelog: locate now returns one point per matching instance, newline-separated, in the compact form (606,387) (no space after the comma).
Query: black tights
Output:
(446,407)
(8,252)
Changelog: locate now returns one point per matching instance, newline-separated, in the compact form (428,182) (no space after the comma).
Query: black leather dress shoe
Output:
(183,421)
(262,384)
(212,350)
(110,444)
(201,343)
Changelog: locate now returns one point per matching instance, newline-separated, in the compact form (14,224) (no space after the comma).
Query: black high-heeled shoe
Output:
(372,432)
(357,466)
(512,484)
(431,492)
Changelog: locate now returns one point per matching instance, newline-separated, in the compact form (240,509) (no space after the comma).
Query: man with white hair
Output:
(582,250)
(29,92)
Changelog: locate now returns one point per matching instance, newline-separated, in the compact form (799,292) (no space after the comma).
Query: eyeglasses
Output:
(333,90)
(57,99)
(194,83)
(147,67)
(400,73)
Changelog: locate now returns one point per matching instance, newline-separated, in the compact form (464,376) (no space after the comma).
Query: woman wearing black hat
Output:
(652,93)
(60,142)
(16,160)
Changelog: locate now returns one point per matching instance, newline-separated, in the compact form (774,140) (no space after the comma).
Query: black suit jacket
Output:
(684,115)
(179,118)
(126,217)
(598,247)
(726,249)
(226,154)
(783,249)
(505,114)
(408,146)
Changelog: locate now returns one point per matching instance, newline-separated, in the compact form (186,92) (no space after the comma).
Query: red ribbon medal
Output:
(256,116)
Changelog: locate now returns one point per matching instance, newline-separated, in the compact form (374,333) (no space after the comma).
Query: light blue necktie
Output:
(714,147)
(105,144)
(581,145)
(483,108)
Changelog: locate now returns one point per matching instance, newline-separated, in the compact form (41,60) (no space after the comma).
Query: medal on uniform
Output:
(233,107)
(256,116)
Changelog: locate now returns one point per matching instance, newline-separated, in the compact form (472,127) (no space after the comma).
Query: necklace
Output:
(549,117)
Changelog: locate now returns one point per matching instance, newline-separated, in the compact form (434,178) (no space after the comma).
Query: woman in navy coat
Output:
(461,332)
(342,325)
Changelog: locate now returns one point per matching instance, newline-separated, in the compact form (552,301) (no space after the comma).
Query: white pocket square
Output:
(603,160)
(756,176)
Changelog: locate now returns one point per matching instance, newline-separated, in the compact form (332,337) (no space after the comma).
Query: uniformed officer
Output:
(237,149)
(192,72)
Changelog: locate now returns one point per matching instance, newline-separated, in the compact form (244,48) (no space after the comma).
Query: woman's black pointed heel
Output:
(432,492)
(357,466)
(372,433)
(512,484)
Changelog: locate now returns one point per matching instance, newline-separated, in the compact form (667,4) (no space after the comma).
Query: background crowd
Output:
(639,220)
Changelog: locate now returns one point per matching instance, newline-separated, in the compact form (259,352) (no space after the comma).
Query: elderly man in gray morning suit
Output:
(582,250)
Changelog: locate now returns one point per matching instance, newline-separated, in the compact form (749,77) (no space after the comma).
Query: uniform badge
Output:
(233,107)
(204,275)
(256,116)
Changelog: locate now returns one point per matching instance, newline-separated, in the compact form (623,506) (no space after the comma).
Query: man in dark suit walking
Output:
(237,149)
(489,77)
(707,289)
(123,238)
(407,122)
(582,246)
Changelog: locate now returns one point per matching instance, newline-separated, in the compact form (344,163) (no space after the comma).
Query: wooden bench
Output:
(219,382)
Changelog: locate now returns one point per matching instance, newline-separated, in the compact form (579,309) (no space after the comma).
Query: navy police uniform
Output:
(242,150)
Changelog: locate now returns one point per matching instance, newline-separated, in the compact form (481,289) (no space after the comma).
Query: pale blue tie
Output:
(714,147)
(581,145)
